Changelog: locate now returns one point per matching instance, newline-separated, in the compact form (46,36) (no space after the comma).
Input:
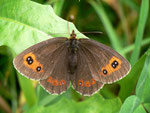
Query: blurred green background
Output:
(125,25)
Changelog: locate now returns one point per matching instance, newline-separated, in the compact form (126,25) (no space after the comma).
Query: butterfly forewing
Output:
(38,61)
(106,65)
(82,80)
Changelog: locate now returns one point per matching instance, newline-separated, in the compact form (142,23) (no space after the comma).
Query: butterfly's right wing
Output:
(106,65)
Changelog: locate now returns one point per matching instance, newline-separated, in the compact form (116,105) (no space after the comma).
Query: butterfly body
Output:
(87,64)
(72,55)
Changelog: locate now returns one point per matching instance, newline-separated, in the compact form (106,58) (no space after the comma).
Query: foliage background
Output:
(125,26)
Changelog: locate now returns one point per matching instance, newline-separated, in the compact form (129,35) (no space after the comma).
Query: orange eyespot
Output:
(87,84)
(55,82)
(80,83)
(62,82)
(50,79)
(93,81)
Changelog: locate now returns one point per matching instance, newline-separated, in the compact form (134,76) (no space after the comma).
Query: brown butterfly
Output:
(87,64)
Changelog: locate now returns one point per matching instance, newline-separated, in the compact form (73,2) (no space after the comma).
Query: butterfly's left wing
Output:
(82,80)
(106,65)
(37,62)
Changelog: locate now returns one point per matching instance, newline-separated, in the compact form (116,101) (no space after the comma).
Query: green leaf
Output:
(143,85)
(62,106)
(141,25)
(139,109)
(130,104)
(95,104)
(36,109)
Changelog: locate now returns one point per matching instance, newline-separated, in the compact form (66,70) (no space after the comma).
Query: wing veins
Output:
(56,60)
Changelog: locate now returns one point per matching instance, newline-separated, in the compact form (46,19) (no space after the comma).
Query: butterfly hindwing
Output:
(106,65)
(38,61)
(58,81)
(82,80)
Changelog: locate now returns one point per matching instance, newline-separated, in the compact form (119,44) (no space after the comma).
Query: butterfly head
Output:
(73,35)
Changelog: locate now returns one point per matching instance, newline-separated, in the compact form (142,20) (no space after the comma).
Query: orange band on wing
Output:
(31,62)
(87,83)
(111,67)
(55,82)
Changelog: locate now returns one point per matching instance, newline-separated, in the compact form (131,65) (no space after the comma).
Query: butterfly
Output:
(85,63)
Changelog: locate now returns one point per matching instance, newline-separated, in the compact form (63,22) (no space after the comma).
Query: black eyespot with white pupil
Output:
(29,60)
(114,64)
(38,68)
(105,71)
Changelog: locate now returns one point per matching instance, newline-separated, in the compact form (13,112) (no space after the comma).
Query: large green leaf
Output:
(24,23)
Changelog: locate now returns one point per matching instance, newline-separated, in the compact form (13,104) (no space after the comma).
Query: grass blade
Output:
(58,5)
(141,25)
(108,26)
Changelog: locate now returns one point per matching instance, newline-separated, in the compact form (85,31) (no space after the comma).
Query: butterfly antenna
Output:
(93,32)
(70,19)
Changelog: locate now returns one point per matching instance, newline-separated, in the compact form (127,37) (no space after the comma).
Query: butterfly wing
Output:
(82,80)
(38,61)
(58,81)
(106,65)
